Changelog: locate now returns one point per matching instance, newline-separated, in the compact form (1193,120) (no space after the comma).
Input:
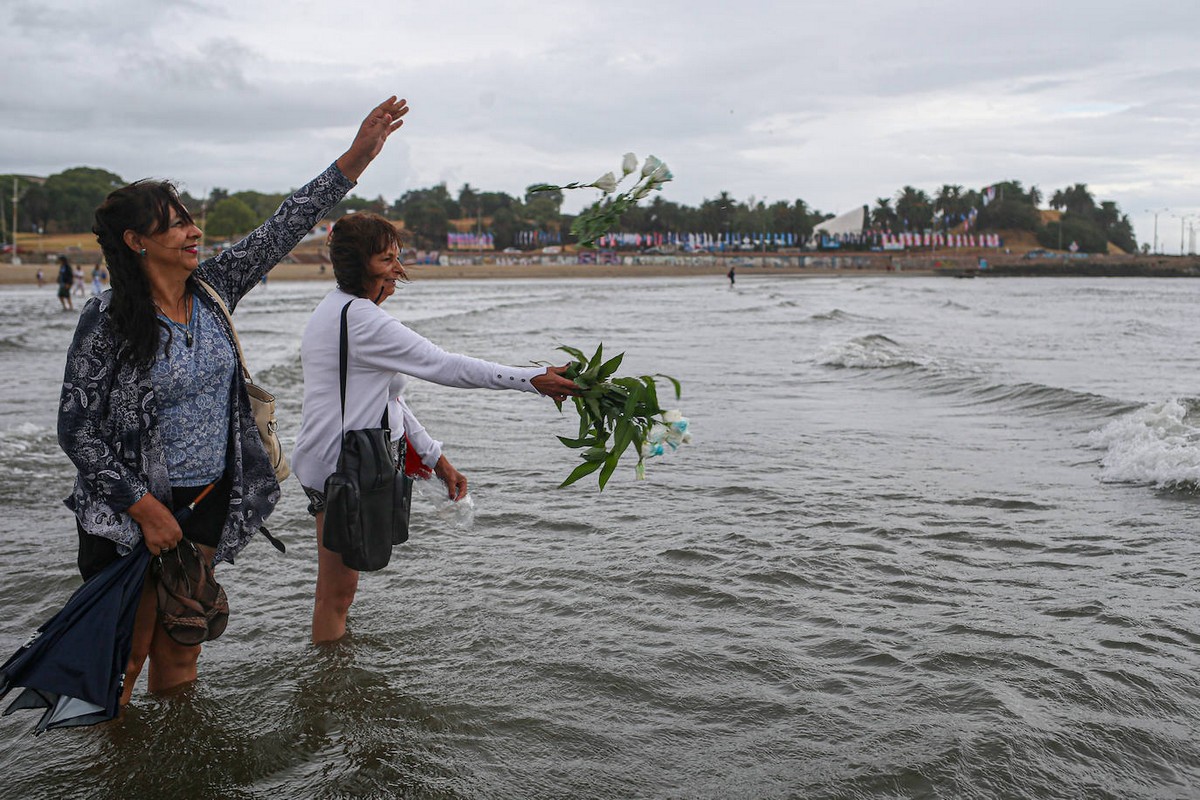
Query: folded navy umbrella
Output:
(73,666)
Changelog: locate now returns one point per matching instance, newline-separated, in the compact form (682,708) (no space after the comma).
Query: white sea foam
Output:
(1157,444)
(21,438)
(873,351)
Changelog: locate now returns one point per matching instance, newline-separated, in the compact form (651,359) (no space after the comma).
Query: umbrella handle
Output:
(187,510)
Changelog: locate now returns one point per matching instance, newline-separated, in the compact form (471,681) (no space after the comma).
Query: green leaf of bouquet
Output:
(595,362)
(583,441)
(651,394)
(622,437)
(595,453)
(586,468)
(675,383)
(574,353)
(610,366)
(610,464)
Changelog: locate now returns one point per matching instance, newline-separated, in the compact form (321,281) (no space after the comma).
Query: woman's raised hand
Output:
(552,384)
(383,120)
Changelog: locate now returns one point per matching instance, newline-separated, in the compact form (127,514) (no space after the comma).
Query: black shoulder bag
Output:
(367,500)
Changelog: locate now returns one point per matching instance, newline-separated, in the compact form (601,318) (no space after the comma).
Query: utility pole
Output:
(1182,223)
(16,259)
(1156,212)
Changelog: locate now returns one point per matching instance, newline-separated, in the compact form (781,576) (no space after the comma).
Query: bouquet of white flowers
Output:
(625,410)
(603,215)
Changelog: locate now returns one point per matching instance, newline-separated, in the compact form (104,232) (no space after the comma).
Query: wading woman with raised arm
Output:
(154,407)
(365,252)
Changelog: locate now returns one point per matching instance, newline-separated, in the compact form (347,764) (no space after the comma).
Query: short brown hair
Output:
(355,239)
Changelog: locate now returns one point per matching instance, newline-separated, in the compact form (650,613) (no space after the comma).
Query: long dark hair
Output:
(355,240)
(144,208)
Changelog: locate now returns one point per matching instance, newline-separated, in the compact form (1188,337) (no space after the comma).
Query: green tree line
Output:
(64,202)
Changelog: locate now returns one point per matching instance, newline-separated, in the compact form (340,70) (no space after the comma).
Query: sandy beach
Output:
(485,268)
(305,263)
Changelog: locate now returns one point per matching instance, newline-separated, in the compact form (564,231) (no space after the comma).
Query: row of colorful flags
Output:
(470,241)
(538,238)
(698,241)
(900,240)
(709,241)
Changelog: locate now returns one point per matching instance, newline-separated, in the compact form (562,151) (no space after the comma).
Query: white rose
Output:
(651,164)
(629,164)
(674,415)
(606,183)
(662,174)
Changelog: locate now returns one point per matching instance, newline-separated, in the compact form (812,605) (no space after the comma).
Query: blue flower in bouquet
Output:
(665,436)
(603,215)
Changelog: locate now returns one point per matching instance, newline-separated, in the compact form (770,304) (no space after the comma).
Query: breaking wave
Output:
(1157,444)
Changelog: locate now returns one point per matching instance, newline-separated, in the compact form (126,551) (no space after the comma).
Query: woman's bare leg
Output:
(336,586)
(172,664)
(144,625)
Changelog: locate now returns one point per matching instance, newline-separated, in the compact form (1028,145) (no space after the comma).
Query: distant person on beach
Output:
(41,278)
(78,285)
(66,277)
(365,250)
(154,407)
(97,280)
(732,275)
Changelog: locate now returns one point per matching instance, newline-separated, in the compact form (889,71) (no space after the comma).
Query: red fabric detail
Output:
(413,466)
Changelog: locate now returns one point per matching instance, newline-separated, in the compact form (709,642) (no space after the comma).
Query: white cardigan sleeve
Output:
(381,342)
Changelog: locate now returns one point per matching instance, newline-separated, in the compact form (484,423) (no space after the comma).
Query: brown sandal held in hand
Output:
(192,606)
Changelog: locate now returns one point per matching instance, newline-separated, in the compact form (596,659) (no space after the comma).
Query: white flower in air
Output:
(674,415)
(606,183)
(651,164)
(629,164)
(662,174)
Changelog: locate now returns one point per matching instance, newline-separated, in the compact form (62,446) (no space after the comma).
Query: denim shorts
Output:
(316,500)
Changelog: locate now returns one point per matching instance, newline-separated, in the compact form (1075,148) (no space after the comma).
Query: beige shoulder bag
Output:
(262,402)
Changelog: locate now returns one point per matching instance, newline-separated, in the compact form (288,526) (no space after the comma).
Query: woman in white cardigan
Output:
(365,252)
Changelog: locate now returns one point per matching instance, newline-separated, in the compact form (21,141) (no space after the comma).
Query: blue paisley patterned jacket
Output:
(108,418)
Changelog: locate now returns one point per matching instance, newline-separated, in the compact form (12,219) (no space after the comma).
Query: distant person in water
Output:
(732,275)
(66,277)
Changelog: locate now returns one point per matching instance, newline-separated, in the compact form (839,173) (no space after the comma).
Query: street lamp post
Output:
(1156,212)
(16,259)
(1183,218)
(766,222)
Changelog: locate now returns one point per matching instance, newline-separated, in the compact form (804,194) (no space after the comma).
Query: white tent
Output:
(853,221)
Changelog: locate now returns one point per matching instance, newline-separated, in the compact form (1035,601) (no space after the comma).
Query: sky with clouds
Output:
(835,103)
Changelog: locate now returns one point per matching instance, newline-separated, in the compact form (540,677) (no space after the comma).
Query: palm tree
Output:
(883,215)
(1076,199)
(950,203)
(914,208)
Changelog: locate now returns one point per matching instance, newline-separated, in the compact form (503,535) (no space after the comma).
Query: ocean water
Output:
(934,538)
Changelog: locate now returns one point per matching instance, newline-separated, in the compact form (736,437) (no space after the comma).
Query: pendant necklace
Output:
(187,325)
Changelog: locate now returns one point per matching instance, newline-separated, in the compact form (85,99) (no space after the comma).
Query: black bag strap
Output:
(344,358)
